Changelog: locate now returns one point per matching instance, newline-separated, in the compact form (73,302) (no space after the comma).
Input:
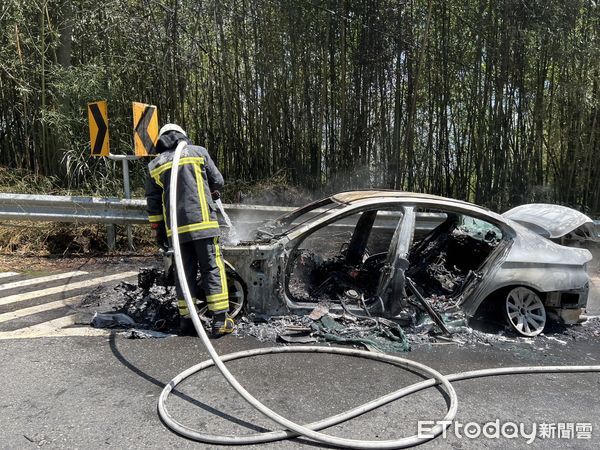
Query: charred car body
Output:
(360,250)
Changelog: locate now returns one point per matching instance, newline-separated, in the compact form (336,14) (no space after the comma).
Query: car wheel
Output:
(237,297)
(525,311)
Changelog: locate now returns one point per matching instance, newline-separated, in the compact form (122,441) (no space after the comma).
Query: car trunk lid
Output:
(554,221)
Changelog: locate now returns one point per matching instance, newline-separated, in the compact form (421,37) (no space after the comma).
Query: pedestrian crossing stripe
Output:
(62,289)
(12,315)
(8,274)
(38,280)
(54,328)
(58,327)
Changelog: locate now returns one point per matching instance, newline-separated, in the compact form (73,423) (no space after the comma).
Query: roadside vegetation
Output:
(497,103)
(493,102)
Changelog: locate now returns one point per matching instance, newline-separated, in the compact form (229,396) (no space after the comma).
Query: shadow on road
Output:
(115,351)
(121,358)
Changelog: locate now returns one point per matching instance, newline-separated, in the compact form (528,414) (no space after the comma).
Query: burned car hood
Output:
(554,221)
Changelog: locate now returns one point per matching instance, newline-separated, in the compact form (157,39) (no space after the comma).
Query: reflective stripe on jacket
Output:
(197,178)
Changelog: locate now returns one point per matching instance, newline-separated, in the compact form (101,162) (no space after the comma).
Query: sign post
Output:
(126,190)
(145,135)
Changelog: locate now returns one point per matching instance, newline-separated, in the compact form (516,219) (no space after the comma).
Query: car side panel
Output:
(540,277)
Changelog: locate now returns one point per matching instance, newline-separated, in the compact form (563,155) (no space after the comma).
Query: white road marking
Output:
(54,328)
(30,281)
(39,308)
(66,288)
(8,274)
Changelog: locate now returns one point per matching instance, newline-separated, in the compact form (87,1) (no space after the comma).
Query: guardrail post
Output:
(127,193)
(126,188)
(111,237)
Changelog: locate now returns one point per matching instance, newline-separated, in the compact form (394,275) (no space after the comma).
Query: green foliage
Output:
(493,102)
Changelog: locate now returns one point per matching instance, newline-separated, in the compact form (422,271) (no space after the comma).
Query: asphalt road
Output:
(65,387)
(92,392)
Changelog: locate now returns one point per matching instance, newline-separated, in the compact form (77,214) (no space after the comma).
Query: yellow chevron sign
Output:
(145,128)
(98,120)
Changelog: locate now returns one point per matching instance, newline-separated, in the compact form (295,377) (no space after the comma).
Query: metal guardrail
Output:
(52,208)
(110,211)
(71,209)
(124,211)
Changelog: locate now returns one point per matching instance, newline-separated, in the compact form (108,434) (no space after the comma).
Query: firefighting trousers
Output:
(206,255)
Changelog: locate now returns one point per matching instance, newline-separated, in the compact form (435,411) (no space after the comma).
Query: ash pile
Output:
(381,335)
(325,324)
(148,309)
(322,326)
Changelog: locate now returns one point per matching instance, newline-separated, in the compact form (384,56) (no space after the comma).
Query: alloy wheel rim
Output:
(525,311)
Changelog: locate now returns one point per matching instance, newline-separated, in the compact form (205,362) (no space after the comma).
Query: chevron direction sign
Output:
(98,120)
(145,128)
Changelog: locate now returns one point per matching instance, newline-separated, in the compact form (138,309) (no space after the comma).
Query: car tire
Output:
(524,311)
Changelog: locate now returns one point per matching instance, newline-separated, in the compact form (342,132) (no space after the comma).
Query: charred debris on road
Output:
(148,310)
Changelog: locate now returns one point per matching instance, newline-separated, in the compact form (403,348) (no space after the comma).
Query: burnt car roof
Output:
(355,196)
(366,197)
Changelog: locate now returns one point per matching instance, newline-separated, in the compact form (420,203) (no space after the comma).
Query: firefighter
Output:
(198,181)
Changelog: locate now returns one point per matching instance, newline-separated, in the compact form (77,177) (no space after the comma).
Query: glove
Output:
(216,195)
(160,235)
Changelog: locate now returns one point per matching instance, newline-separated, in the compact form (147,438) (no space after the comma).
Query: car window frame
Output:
(300,236)
(506,241)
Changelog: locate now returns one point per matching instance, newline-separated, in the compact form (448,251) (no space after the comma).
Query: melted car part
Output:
(315,280)
(554,221)
(432,313)
(149,305)
(441,262)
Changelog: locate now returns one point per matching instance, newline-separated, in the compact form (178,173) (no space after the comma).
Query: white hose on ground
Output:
(310,431)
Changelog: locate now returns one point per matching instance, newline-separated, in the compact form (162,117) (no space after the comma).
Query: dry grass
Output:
(64,239)
(20,181)
(60,239)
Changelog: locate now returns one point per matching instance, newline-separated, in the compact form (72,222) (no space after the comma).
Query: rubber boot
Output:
(222,324)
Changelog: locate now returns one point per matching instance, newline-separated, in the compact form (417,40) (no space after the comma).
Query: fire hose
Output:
(292,429)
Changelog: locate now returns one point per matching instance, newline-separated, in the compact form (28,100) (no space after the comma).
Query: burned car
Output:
(360,252)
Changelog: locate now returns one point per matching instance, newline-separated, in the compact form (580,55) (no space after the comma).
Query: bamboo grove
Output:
(495,102)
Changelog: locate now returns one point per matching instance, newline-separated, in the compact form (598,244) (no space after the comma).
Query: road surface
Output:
(66,385)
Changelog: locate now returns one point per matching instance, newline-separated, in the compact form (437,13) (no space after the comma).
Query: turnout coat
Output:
(198,176)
